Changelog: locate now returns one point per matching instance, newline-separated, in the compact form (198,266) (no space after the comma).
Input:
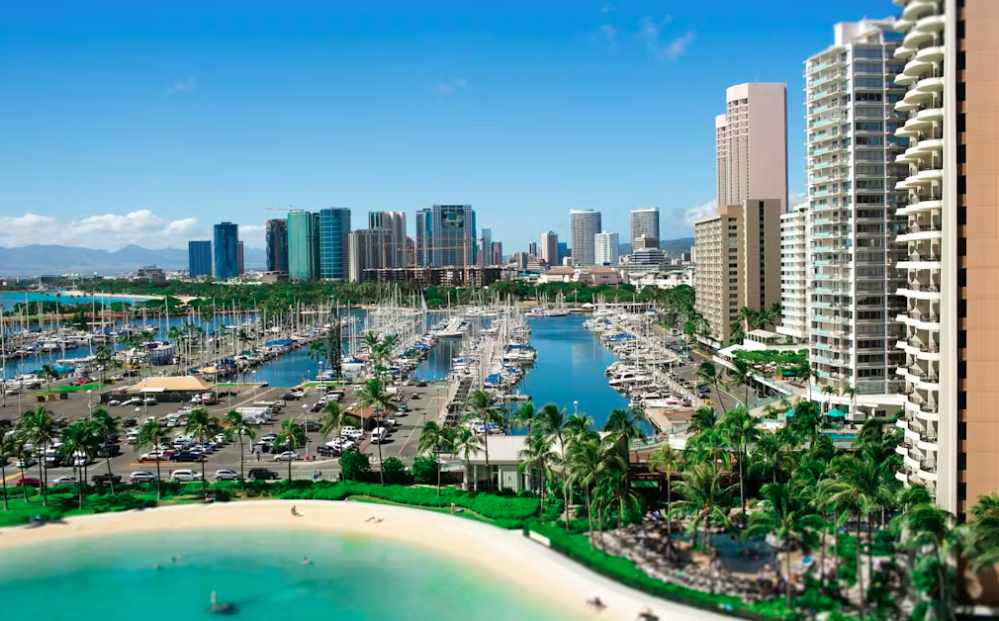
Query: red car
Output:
(28,482)
(83,381)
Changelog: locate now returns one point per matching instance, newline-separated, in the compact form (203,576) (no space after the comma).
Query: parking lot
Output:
(402,442)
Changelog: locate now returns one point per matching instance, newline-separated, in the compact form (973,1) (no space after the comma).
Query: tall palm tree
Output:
(666,460)
(525,416)
(830,392)
(465,442)
(787,515)
(39,429)
(612,489)
(102,356)
(552,421)
(239,426)
(849,391)
(805,374)
(707,374)
(331,419)
(626,425)
(982,545)
(926,527)
(703,419)
(807,421)
(48,374)
(587,461)
(741,430)
(705,498)
(201,424)
(771,455)
(291,436)
(750,317)
(9,449)
(104,425)
(76,441)
(481,410)
(741,375)
(434,439)
(538,455)
(151,435)
(373,395)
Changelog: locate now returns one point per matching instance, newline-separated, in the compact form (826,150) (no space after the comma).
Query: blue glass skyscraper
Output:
(199,258)
(226,251)
(334,249)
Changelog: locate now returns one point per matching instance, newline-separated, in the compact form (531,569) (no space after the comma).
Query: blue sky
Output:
(147,122)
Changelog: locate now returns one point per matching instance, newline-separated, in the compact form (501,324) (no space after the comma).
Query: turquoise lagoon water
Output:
(352,578)
(8,300)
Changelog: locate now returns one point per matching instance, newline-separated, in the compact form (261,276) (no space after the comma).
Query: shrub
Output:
(395,471)
(355,465)
(425,470)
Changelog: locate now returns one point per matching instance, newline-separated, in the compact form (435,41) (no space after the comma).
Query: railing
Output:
(928,257)
(915,286)
(923,228)
(927,466)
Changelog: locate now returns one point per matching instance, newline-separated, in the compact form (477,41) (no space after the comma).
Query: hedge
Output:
(785,358)
(627,573)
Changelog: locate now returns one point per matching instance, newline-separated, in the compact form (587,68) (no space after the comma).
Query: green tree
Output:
(434,439)
(705,498)
(587,462)
(667,461)
(741,375)
(525,416)
(464,442)
(239,426)
(703,419)
(331,419)
(982,541)
(102,359)
(926,528)
(9,449)
(481,410)
(48,374)
(708,375)
(612,490)
(355,465)
(151,435)
(626,425)
(291,436)
(373,394)
(788,516)
(40,430)
(538,455)
(202,425)
(104,425)
(76,441)
(740,431)
(552,421)
(807,421)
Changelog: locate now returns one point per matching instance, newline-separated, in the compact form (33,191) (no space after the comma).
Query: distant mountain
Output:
(673,247)
(54,260)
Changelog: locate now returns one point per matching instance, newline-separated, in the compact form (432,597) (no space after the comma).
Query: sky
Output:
(147,122)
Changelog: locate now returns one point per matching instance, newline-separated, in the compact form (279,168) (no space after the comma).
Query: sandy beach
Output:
(508,555)
(129,296)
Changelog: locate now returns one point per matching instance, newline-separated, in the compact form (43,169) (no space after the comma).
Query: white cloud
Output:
(700,212)
(610,7)
(650,34)
(796,198)
(607,35)
(452,87)
(108,232)
(182,86)
(679,45)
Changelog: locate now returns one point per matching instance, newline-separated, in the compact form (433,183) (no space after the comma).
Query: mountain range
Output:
(55,260)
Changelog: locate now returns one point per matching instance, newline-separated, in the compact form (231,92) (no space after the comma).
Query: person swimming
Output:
(223,608)
(306,561)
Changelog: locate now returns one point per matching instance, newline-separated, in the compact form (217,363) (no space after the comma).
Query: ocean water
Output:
(8,300)
(351,578)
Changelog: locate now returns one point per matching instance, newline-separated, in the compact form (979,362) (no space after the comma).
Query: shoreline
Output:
(128,296)
(544,574)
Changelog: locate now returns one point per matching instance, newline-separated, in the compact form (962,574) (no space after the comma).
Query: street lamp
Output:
(575,407)
(90,407)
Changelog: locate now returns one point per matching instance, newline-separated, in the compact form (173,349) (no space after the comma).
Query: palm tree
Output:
(587,461)
(612,489)
(9,449)
(202,425)
(463,441)
(707,374)
(668,461)
(77,441)
(551,420)
(102,356)
(151,435)
(104,425)
(537,454)
(48,374)
(740,430)
(849,391)
(750,317)
(807,421)
(928,527)
(291,436)
(786,514)
(626,424)
(481,410)
(740,375)
(525,416)
(830,392)
(769,454)
(434,439)
(703,419)
(239,426)
(804,373)
(982,546)
(374,395)
(331,419)
(39,429)
(705,498)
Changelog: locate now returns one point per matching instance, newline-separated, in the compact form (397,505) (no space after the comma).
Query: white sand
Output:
(505,554)
(127,296)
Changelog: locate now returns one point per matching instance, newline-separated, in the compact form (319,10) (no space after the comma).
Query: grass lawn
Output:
(464,513)
(70,388)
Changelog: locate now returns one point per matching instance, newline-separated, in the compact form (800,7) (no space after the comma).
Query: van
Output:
(378,435)
(185,476)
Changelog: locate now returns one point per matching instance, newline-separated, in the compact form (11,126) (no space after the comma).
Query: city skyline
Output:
(194,107)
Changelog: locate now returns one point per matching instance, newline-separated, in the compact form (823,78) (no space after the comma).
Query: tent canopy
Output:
(172,384)
(835,413)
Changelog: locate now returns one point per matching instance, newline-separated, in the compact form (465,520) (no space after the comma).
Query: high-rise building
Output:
(334,251)
(584,224)
(303,246)
(605,248)
(277,245)
(199,258)
(226,251)
(793,271)
(486,248)
(751,142)
(453,229)
(851,94)
(497,253)
(532,249)
(645,223)
(738,264)
(563,252)
(644,242)
(395,223)
(367,251)
(549,248)
(424,237)
(951,239)
(520,260)
(240,265)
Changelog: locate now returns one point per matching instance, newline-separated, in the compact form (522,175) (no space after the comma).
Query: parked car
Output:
(162,454)
(312,426)
(115,402)
(105,479)
(226,475)
(317,407)
(129,422)
(26,462)
(298,394)
(53,461)
(379,435)
(4,423)
(286,456)
(262,474)
(142,477)
(28,482)
(149,401)
(187,456)
(328,450)
(353,433)
(64,480)
(185,476)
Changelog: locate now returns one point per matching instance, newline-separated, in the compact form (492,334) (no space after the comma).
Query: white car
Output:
(142,477)
(390,423)
(346,444)
(286,456)
(80,461)
(220,439)
(114,402)
(379,435)
(185,475)
(149,401)
(133,401)
(67,480)
(227,475)
(269,438)
(300,394)
(352,433)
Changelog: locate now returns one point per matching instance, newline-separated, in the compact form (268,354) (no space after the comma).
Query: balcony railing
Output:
(916,258)
(915,286)
(923,228)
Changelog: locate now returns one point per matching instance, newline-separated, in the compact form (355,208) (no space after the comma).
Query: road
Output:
(401,443)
